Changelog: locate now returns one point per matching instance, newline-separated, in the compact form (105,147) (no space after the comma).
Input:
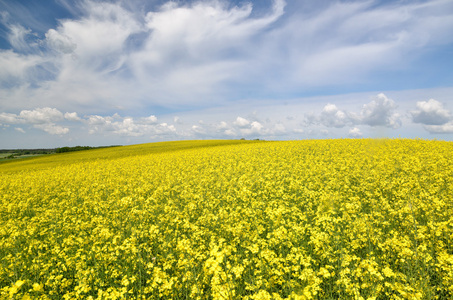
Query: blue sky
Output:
(126,72)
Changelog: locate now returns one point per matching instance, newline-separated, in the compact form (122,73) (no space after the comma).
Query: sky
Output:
(98,73)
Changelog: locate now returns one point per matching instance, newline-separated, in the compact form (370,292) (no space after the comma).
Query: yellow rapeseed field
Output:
(315,219)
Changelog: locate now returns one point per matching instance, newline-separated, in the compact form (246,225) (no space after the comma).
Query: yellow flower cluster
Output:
(315,219)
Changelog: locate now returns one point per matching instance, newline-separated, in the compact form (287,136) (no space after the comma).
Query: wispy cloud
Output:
(195,52)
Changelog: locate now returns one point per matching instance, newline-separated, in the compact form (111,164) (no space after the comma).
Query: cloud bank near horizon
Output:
(380,112)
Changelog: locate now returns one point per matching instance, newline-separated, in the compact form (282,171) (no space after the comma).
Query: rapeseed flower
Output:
(322,219)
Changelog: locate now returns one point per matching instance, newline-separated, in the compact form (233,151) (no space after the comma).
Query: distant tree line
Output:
(71,149)
(28,151)
(25,152)
(79,148)
(19,152)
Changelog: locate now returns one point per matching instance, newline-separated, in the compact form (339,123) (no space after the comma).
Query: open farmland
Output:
(315,219)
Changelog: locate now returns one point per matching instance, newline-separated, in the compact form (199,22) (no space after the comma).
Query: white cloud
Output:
(44,115)
(19,129)
(230,132)
(150,120)
(239,127)
(15,66)
(164,129)
(202,30)
(41,115)
(430,112)
(279,129)
(193,49)
(222,125)
(269,122)
(182,58)
(10,118)
(128,126)
(331,116)
(177,120)
(254,128)
(52,128)
(355,132)
(17,38)
(198,129)
(41,118)
(241,122)
(198,52)
(98,35)
(60,42)
(99,120)
(380,112)
(117,53)
(444,128)
(72,116)
(248,128)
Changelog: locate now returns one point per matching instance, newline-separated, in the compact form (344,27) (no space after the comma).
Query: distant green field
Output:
(4,157)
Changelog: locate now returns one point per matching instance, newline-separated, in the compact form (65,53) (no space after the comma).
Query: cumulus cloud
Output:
(444,128)
(241,122)
(37,116)
(150,120)
(380,112)
(72,116)
(254,128)
(40,118)
(355,132)
(430,112)
(222,125)
(41,115)
(230,132)
(128,126)
(331,116)
(9,118)
(197,129)
(52,128)
(236,127)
